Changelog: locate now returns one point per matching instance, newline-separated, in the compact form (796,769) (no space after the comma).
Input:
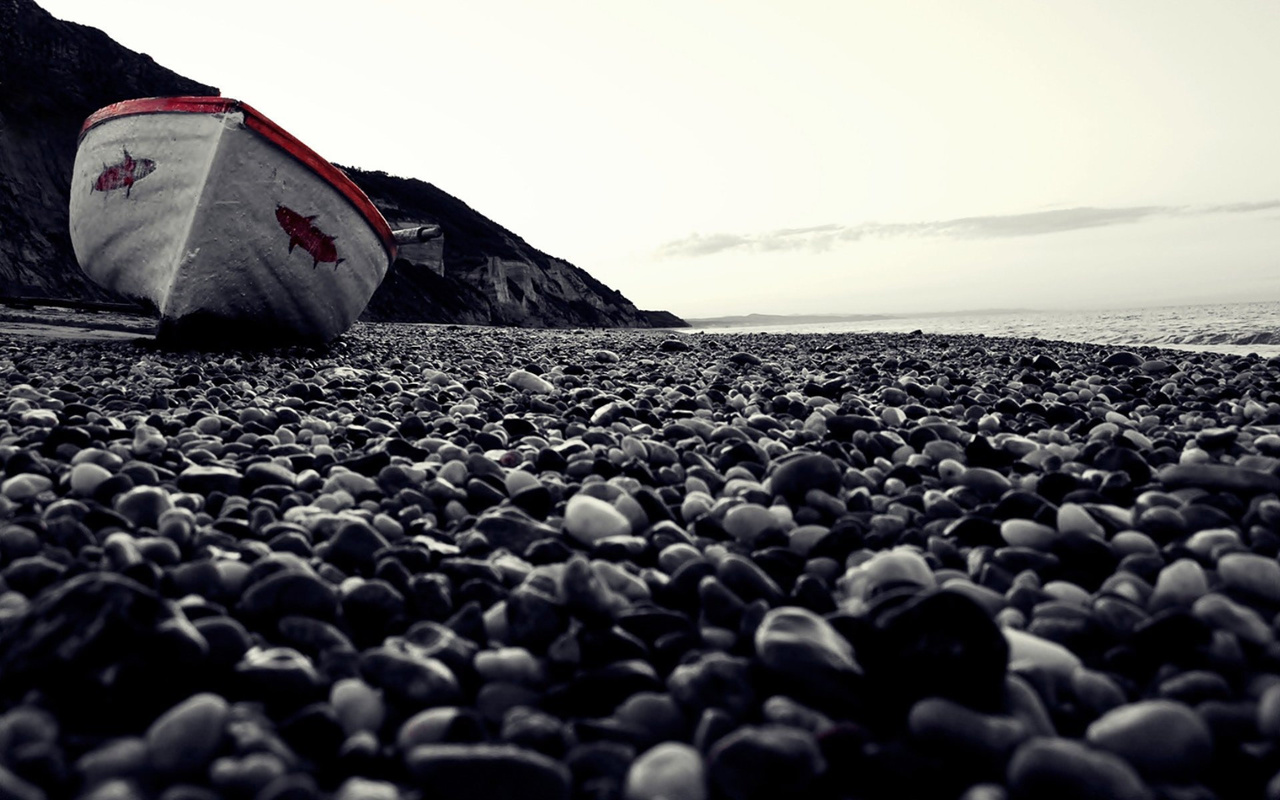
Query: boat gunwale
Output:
(270,131)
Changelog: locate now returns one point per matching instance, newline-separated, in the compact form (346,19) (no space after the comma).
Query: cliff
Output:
(503,280)
(53,74)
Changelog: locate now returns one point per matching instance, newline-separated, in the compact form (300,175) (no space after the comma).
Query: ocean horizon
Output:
(1236,328)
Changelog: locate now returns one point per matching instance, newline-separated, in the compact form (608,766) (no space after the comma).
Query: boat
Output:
(231,228)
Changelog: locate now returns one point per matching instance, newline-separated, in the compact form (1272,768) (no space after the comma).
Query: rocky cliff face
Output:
(53,74)
(505,280)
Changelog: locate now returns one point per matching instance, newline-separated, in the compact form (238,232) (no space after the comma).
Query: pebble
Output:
(750,521)
(668,771)
(806,652)
(795,477)
(567,556)
(86,477)
(358,706)
(487,770)
(1179,585)
(526,381)
(25,487)
(143,505)
(1028,651)
(183,740)
(1166,741)
(1252,575)
(958,733)
(588,519)
(1025,533)
(1221,477)
(1054,767)
(884,571)
(756,762)
(939,644)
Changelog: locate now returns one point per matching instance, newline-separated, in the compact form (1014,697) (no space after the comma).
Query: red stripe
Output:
(265,128)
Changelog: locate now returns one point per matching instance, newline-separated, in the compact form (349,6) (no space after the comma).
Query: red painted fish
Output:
(302,232)
(123,175)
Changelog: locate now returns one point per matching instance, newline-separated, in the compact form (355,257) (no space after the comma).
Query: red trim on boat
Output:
(269,130)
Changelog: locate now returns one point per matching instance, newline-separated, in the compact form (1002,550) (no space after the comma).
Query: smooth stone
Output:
(353,546)
(1096,691)
(985,481)
(1028,652)
(23,487)
(1057,769)
(82,636)
(359,788)
(667,771)
(1252,575)
(512,528)
(247,775)
(746,579)
(1023,702)
(714,680)
(588,519)
(148,442)
(1122,358)
(794,477)
(804,650)
(1127,542)
(290,592)
(762,762)
(1075,518)
(143,505)
(958,733)
(282,677)
(357,705)
(1178,585)
(1269,712)
(1211,542)
(1026,533)
(526,381)
(1166,741)
(656,714)
(534,619)
(782,710)
(939,644)
(466,771)
(410,680)
(184,739)
(442,724)
(123,757)
(269,473)
(1222,477)
(206,479)
(1225,614)
(86,477)
(749,521)
(510,664)
(587,597)
(885,570)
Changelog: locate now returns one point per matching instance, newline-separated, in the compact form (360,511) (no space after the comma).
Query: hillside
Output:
(53,74)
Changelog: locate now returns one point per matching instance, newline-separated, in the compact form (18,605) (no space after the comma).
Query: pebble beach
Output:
(449,562)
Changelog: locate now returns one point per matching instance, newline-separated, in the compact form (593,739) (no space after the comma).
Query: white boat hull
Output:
(231,228)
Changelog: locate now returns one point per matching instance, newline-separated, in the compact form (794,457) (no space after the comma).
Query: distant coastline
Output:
(740,320)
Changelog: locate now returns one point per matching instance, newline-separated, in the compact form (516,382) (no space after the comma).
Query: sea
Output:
(1234,328)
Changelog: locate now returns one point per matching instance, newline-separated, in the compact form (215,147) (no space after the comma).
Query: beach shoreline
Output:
(441,560)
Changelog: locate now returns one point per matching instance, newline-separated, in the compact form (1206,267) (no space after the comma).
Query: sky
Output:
(712,158)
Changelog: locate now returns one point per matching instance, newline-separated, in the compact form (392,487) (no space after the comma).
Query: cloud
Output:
(820,238)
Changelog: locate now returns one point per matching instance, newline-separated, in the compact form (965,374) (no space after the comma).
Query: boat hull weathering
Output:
(230,227)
